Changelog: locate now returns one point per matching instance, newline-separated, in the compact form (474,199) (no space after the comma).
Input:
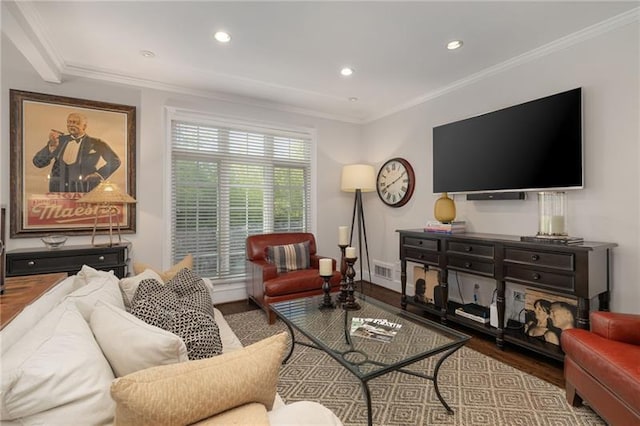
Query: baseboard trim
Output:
(224,293)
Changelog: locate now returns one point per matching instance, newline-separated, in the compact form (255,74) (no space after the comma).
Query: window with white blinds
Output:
(231,181)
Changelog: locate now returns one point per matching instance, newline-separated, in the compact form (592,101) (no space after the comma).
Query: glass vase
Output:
(444,209)
(552,214)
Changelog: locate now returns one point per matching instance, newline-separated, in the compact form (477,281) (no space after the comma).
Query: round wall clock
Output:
(395,182)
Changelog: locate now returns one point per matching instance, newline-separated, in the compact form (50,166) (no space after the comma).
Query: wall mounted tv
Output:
(533,146)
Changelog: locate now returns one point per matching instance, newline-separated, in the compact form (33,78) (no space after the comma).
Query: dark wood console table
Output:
(579,271)
(68,259)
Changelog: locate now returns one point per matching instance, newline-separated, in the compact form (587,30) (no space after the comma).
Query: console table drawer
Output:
(470,249)
(471,265)
(540,279)
(422,256)
(539,258)
(423,244)
(68,259)
(42,264)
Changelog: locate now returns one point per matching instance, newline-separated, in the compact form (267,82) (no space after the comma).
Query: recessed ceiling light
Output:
(346,71)
(454,44)
(353,99)
(147,54)
(222,37)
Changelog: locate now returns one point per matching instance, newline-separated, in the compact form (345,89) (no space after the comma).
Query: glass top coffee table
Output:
(366,358)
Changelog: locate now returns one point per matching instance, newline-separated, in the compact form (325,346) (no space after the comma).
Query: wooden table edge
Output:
(26,289)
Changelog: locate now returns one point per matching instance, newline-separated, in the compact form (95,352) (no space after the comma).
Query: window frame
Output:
(243,124)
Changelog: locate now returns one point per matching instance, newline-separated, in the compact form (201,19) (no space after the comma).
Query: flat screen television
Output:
(533,146)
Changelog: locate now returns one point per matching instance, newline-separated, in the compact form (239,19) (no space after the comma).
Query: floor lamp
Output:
(359,178)
(106,196)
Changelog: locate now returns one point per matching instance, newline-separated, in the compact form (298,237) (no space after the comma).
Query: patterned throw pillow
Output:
(182,306)
(290,257)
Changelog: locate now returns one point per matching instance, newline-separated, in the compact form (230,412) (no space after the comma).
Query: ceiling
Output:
(289,54)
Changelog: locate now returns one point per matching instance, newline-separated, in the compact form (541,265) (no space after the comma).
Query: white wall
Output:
(337,144)
(608,209)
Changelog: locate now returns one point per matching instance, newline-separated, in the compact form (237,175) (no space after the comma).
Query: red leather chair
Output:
(602,366)
(265,286)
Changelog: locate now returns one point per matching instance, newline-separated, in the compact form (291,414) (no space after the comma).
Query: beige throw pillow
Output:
(187,262)
(253,414)
(189,392)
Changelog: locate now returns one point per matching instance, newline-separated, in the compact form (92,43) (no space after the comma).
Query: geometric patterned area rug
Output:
(479,389)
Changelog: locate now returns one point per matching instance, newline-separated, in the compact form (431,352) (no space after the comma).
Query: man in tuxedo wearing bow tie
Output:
(80,162)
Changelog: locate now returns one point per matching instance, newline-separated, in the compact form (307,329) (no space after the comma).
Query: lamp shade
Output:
(107,193)
(358,176)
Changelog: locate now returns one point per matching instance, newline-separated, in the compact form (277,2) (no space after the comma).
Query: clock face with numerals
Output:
(395,182)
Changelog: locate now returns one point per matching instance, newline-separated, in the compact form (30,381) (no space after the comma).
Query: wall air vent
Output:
(383,270)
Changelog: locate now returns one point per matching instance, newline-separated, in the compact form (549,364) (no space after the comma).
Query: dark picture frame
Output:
(43,197)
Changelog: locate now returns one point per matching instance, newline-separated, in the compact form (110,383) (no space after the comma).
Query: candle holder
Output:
(342,297)
(326,289)
(350,303)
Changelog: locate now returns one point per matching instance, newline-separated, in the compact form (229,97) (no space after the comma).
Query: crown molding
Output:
(113,77)
(18,26)
(587,33)
(34,44)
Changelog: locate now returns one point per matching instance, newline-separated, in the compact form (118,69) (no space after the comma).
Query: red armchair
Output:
(266,286)
(602,366)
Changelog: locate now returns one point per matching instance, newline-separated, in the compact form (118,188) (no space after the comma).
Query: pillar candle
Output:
(325,267)
(556,225)
(545,224)
(343,235)
(350,252)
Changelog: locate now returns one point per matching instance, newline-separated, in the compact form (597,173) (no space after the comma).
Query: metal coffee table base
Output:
(352,359)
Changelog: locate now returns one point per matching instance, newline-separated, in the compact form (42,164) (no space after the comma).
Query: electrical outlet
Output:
(518,296)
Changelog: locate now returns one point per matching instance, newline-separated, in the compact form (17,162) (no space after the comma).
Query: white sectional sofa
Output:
(76,356)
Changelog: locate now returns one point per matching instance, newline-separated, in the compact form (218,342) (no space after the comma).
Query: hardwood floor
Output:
(530,362)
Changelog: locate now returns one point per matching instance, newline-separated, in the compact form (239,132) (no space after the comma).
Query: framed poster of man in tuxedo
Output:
(62,148)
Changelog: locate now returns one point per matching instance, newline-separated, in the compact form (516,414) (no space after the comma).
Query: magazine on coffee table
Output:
(374,328)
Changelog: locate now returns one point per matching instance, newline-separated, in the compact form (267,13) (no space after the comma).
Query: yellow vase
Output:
(444,209)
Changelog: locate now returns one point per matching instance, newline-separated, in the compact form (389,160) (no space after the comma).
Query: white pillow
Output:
(87,273)
(34,312)
(100,287)
(129,285)
(131,344)
(57,374)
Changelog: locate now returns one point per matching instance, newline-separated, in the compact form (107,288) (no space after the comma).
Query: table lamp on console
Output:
(106,196)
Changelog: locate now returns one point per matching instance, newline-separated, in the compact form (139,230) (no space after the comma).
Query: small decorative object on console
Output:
(552,220)
(54,241)
(552,208)
(444,209)
(552,240)
(455,227)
